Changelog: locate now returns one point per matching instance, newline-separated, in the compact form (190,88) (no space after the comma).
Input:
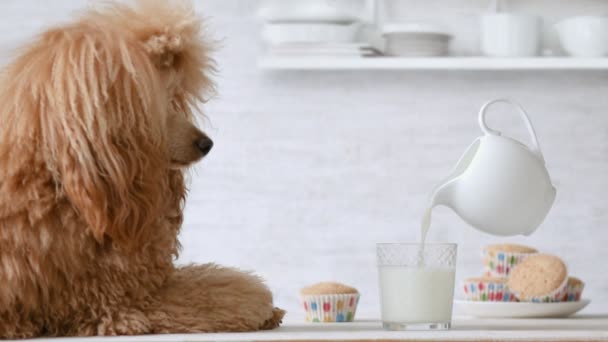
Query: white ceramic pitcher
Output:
(499,186)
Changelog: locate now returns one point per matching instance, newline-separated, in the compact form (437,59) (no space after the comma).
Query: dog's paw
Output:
(132,322)
(128,322)
(275,321)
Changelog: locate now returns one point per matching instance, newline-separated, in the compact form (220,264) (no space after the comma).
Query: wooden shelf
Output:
(433,63)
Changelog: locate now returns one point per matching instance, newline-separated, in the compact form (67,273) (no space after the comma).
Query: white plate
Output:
(519,309)
(275,34)
(414,29)
(321,48)
(408,48)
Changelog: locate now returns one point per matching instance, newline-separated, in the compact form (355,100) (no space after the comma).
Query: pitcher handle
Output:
(524,115)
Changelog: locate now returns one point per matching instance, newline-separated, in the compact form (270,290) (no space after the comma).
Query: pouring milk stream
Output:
(499,185)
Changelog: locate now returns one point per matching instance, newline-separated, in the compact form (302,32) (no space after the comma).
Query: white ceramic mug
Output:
(510,35)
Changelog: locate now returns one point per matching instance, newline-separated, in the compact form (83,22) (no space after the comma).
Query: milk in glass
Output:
(416,294)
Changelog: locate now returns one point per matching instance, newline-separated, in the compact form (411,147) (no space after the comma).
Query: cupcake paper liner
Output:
(330,308)
(487,291)
(554,296)
(499,263)
(574,290)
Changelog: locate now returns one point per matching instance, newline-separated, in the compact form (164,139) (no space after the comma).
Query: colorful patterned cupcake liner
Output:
(498,263)
(574,290)
(487,291)
(330,308)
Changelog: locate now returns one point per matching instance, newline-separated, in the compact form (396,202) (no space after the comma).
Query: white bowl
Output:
(310,11)
(275,34)
(584,36)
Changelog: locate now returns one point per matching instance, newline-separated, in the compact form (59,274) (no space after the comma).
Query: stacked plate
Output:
(286,33)
(415,40)
(323,49)
(311,28)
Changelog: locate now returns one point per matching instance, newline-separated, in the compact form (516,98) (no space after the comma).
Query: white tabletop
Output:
(576,328)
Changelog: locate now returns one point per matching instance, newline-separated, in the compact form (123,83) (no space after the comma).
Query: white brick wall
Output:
(311,169)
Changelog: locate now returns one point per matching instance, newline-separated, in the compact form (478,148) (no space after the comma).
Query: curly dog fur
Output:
(96,130)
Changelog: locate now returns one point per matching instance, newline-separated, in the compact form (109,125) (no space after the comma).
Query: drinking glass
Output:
(416,285)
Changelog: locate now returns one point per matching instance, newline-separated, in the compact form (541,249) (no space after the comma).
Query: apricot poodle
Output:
(96,131)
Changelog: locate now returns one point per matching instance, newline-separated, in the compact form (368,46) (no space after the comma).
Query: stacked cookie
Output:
(520,273)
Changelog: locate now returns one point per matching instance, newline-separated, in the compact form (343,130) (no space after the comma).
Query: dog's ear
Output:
(165,49)
(103,127)
(174,37)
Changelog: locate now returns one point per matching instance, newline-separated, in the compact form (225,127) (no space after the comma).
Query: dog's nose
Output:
(204,145)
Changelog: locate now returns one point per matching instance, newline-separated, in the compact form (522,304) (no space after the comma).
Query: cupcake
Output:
(539,278)
(574,290)
(499,260)
(487,289)
(329,302)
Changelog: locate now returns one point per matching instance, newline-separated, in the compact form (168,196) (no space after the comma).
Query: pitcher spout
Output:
(443,194)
